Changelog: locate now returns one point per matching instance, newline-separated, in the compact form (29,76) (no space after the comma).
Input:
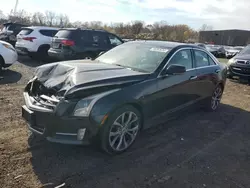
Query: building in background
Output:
(225,37)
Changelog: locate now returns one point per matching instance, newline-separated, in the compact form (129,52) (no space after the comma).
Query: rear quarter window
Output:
(48,33)
(64,34)
(25,31)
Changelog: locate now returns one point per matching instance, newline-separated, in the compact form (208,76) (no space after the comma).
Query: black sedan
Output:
(130,88)
(239,65)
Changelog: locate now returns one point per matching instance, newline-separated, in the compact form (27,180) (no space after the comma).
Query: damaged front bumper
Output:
(57,126)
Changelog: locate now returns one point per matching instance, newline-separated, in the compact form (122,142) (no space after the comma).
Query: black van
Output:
(72,43)
(10,31)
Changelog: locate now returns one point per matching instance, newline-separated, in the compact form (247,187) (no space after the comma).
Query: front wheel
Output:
(121,130)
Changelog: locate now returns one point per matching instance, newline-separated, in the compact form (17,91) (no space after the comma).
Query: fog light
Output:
(80,134)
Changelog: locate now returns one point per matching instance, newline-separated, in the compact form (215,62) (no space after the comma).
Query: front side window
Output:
(114,40)
(183,58)
(136,56)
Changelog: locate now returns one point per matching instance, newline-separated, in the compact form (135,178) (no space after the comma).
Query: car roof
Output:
(41,27)
(83,29)
(166,44)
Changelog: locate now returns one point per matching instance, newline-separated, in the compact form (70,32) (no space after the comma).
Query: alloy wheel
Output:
(123,131)
(216,98)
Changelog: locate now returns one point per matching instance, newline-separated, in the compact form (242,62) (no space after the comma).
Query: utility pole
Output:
(15,9)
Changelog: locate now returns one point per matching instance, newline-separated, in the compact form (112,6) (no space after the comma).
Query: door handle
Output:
(193,77)
(217,71)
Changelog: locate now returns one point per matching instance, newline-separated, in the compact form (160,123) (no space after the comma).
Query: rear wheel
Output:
(121,130)
(1,64)
(213,103)
(42,53)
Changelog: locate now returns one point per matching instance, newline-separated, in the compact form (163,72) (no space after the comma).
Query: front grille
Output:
(46,101)
(241,62)
(241,70)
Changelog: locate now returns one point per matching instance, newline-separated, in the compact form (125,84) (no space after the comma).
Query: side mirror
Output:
(175,69)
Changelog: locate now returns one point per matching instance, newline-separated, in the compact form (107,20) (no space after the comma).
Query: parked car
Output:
(8,55)
(201,45)
(129,88)
(35,41)
(9,32)
(231,51)
(70,44)
(212,50)
(239,65)
(127,40)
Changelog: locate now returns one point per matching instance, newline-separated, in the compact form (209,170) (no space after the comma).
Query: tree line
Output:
(133,30)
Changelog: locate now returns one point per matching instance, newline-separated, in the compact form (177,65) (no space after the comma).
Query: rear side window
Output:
(25,31)
(202,59)
(211,61)
(48,33)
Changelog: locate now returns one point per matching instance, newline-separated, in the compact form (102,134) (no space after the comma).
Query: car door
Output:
(207,73)
(175,92)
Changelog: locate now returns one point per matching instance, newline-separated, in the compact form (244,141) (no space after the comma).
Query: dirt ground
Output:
(196,150)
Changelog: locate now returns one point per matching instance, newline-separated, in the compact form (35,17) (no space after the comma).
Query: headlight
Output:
(84,106)
(8,46)
(231,61)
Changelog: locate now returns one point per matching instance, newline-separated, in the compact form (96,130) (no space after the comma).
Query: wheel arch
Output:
(43,46)
(136,105)
(2,62)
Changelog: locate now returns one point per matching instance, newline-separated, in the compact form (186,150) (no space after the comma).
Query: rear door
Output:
(46,35)
(100,41)
(207,73)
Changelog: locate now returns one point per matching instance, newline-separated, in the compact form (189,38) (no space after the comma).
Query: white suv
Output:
(35,41)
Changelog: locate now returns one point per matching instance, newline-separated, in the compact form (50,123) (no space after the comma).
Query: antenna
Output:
(15,9)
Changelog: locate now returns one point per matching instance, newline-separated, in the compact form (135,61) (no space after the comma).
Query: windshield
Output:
(245,51)
(137,56)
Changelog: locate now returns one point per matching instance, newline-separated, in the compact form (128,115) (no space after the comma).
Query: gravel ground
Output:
(196,150)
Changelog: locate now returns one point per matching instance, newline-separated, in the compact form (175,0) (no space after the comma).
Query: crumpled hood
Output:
(71,76)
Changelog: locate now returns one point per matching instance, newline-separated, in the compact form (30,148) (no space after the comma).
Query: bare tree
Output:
(136,27)
(206,27)
(38,18)
(50,18)
(63,20)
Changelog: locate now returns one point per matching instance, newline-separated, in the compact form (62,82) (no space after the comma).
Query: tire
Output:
(229,76)
(213,102)
(1,64)
(88,55)
(116,136)
(42,53)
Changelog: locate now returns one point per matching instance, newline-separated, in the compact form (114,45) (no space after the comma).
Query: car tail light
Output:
(29,38)
(68,42)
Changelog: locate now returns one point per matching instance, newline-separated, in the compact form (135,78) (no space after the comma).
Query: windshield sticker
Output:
(163,50)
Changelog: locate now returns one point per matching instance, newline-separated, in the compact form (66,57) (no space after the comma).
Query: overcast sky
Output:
(221,14)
